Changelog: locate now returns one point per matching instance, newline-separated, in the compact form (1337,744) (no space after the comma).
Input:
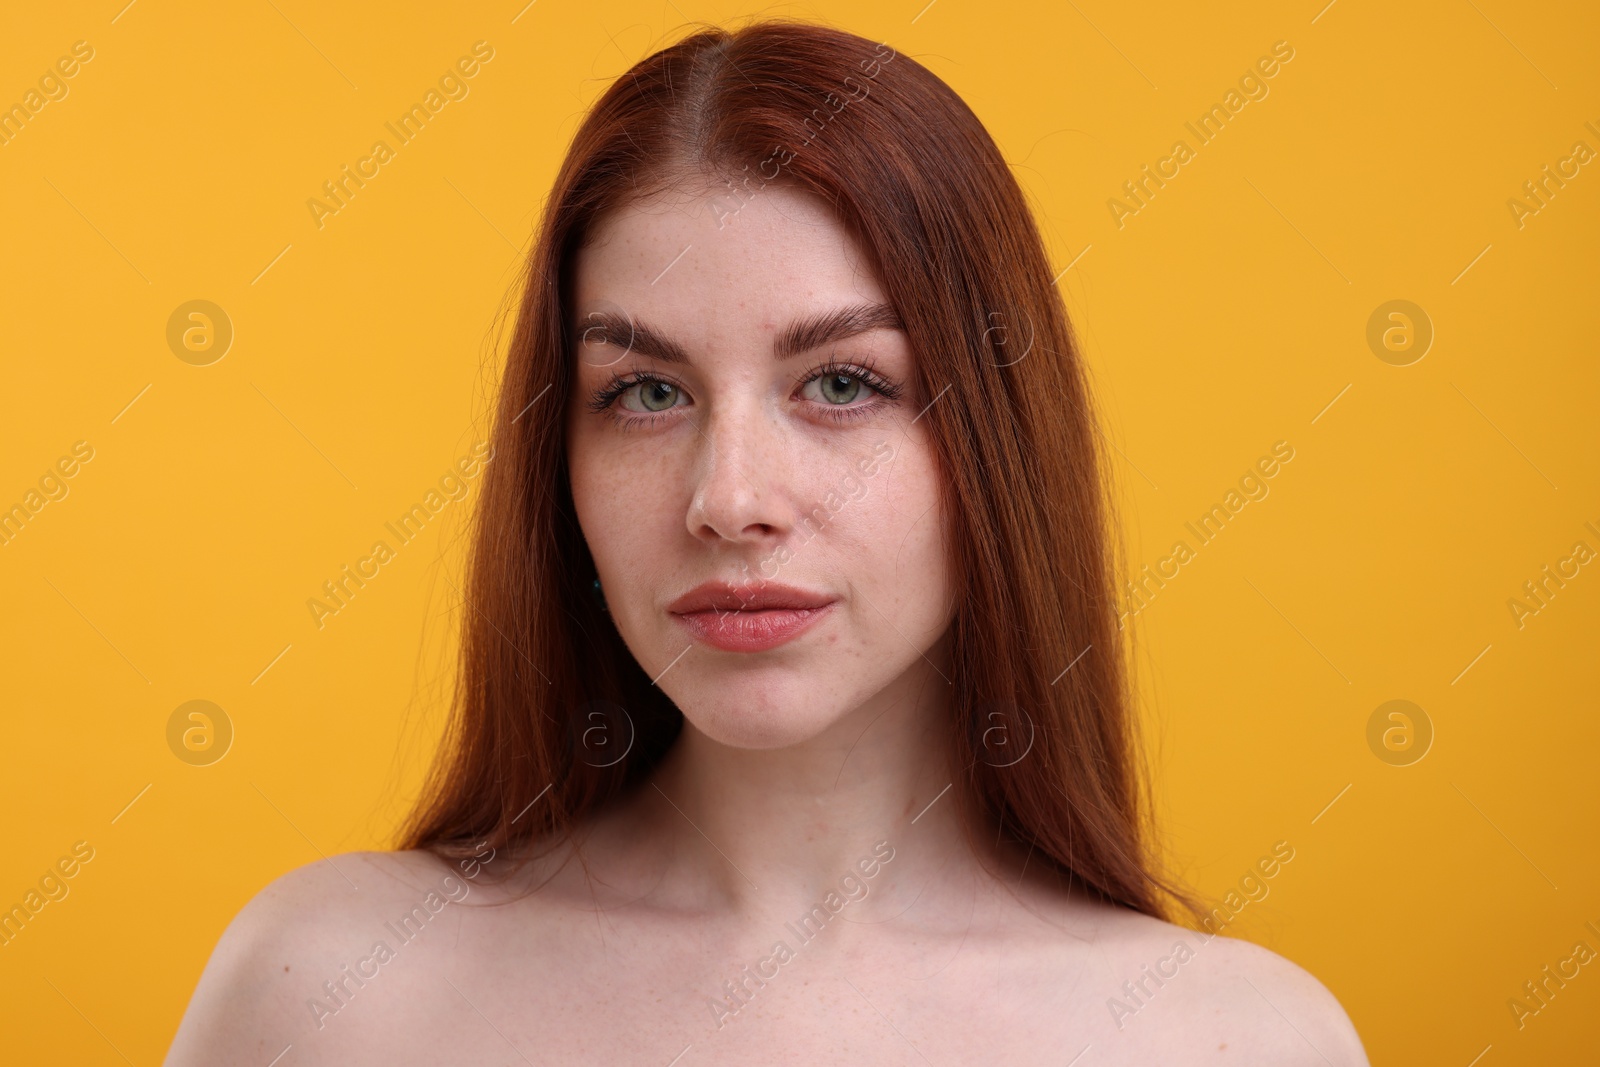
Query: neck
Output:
(759,837)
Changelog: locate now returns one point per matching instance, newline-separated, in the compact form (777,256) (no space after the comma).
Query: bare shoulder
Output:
(1193,997)
(293,945)
(1305,1018)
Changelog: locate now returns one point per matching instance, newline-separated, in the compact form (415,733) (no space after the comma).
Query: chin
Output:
(758,711)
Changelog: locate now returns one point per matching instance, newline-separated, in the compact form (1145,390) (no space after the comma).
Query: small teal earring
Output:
(600,596)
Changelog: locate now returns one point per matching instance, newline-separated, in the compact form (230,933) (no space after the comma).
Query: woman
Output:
(792,722)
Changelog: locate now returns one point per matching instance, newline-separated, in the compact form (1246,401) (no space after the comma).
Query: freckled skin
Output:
(724,478)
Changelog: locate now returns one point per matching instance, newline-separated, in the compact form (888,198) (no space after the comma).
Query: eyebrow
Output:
(801,335)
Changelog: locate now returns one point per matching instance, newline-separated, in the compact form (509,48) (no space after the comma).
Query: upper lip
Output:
(725,596)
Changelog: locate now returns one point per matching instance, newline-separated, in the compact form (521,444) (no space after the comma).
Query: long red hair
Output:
(1038,660)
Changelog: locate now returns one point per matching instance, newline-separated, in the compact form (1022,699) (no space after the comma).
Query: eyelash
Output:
(604,399)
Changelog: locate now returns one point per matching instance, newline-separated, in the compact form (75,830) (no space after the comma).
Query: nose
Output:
(739,473)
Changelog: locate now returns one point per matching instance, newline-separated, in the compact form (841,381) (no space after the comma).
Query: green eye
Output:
(839,388)
(657,395)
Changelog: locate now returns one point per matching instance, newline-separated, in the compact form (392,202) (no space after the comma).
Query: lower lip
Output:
(751,631)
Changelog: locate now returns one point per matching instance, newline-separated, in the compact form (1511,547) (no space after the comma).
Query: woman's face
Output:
(711,441)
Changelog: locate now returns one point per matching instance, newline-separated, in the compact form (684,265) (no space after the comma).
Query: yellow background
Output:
(1226,315)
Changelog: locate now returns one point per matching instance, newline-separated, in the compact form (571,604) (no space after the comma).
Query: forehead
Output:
(703,257)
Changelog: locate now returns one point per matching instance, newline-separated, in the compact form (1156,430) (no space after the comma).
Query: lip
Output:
(749,618)
(768,596)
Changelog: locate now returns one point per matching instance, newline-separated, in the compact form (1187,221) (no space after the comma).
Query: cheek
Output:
(623,500)
(900,532)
